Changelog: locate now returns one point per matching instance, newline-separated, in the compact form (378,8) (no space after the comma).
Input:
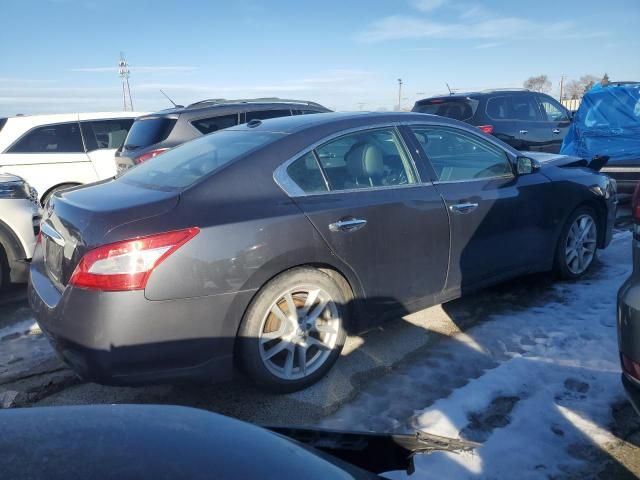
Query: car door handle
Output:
(347,225)
(524,132)
(556,131)
(463,207)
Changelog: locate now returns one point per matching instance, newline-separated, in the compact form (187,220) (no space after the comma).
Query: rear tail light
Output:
(146,156)
(635,204)
(486,128)
(630,367)
(127,265)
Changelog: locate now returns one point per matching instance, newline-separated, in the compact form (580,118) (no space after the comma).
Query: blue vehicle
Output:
(608,124)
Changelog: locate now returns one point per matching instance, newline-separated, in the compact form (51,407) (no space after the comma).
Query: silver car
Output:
(19,227)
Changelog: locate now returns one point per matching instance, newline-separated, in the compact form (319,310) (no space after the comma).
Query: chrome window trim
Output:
(497,177)
(291,189)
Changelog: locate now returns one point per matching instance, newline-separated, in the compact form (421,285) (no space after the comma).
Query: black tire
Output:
(561,266)
(257,316)
(4,270)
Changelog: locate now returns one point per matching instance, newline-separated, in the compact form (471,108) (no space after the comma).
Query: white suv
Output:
(19,227)
(58,151)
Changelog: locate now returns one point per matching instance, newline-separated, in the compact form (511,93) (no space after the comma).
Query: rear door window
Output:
(524,107)
(266,114)
(458,109)
(213,124)
(59,138)
(513,107)
(149,131)
(372,158)
(186,164)
(105,134)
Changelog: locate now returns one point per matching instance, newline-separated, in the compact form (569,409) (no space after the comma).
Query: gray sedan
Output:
(262,245)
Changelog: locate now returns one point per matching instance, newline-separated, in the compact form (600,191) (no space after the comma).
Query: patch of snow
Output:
(22,345)
(534,384)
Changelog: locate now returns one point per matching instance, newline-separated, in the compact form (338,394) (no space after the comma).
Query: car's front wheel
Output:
(293,331)
(577,248)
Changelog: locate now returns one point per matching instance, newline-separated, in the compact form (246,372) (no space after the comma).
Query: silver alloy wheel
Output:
(581,244)
(299,332)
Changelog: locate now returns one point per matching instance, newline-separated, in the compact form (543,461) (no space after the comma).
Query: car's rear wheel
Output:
(577,248)
(293,332)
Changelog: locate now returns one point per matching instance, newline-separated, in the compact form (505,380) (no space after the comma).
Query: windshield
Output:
(188,163)
(458,109)
(148,131)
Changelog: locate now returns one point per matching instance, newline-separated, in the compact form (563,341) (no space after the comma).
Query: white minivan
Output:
(52,152)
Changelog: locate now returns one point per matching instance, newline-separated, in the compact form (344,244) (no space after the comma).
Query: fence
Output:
(572,104)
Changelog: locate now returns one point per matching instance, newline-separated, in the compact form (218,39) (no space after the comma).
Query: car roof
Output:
(20,124)
(240,105)
(460,95)
(43,119)
(341,120)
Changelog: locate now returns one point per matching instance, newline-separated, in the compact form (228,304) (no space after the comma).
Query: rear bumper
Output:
(628,323)
(122,338)
(632,389)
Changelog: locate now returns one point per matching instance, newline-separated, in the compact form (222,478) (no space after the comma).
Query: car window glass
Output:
(266,114)
(498,108)
(459,109)
(373,158)
(456,155)
(553,111)
(100,134)
(60,138)
(183,165)
(524,107)
(148,131)
(305,172)
(213,124)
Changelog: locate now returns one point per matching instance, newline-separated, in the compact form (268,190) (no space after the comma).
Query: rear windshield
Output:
(184,165)
(148,131)
(459,109)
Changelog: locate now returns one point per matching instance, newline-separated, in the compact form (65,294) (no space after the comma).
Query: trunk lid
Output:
(79,219)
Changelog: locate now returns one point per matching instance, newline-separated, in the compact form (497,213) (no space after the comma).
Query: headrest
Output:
(365,160)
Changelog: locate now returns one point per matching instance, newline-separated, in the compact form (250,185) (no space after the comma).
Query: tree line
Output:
(572,89)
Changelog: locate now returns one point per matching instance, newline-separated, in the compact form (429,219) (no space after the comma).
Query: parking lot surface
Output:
(528,369)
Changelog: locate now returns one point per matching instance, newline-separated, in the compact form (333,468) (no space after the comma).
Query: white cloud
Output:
(428,5)
(139,69)
(467,22)
(488,45)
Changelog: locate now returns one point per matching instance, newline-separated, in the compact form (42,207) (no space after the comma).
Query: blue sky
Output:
(61,55)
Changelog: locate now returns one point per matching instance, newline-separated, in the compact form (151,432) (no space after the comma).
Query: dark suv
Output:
(524,119)
(156,133)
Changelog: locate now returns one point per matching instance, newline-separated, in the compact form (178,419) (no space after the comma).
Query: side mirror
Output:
(526,165)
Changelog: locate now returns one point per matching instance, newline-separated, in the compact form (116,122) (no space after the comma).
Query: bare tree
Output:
(574,90)
(588,81)
(577,88)
(538,84)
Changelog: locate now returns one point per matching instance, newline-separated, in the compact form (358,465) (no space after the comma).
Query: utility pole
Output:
(123,71)
(399,94)
(561,85)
